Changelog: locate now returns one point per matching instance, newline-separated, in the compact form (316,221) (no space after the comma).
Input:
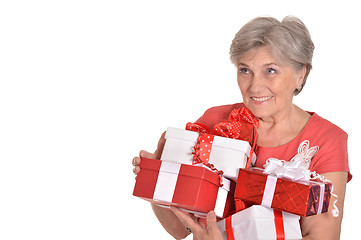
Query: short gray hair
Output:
(289,39)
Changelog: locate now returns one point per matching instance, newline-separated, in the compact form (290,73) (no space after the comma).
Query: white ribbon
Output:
(269,191)
(320,201)
(166,181)
(292,170)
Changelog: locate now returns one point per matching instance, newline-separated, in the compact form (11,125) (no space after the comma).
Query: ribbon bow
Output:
(241,125)
(292,170)
(243,115)
(305,153)
(297,168)
(198,127)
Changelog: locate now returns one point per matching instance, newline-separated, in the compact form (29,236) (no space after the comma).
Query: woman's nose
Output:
(257,83)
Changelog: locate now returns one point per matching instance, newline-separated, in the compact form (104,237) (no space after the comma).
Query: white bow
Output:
(297,167)
(292,170)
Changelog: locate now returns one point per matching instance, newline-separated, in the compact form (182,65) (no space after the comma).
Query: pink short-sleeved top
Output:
(331,140)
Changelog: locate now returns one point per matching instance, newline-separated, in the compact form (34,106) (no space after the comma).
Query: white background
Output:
(85,85)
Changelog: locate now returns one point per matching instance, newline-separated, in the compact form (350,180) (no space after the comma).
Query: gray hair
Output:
(289,40)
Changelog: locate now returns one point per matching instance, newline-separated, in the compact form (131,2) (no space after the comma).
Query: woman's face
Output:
(267,84)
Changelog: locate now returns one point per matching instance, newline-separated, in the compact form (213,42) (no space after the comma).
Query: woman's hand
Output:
(136,160)
(200,232)
(156,155)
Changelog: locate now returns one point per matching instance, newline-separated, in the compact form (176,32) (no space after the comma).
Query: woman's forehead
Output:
(262,55)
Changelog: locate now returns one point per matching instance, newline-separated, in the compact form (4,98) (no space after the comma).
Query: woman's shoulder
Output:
(331,141)
(223,108)
(216,114)
(324,127)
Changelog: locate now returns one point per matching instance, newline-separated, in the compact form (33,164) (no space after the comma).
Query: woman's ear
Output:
(301,76)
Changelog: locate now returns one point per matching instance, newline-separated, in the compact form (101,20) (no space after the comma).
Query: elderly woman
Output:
(273,60)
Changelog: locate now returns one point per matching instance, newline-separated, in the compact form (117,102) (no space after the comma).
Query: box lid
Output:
(199,171)
(258,212)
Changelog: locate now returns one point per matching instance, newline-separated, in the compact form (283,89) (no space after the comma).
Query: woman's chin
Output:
(258,111)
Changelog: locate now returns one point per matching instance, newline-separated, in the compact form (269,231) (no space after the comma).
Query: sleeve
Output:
(210,117)
(332,156)
(214,115)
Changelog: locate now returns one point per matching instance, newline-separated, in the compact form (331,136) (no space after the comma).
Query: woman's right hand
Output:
(156,155)
(136,160)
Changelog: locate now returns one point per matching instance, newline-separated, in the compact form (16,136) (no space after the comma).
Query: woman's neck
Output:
(282,128)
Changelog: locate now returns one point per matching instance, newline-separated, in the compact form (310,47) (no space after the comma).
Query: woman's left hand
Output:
(211,232)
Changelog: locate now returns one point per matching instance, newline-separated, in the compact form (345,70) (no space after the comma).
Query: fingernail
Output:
(212,214)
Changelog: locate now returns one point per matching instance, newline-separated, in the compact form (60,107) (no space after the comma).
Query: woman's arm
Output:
(166,217)
(325,226)
(199,230)
(170,222)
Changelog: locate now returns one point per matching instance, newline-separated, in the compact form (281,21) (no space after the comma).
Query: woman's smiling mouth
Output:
(261,99)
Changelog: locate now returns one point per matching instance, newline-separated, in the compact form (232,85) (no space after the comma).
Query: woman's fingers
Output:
(136,160)
(188,222)
(211,219)
(146,154)
(136,170)
(211,232)
(135,163)
(212,227)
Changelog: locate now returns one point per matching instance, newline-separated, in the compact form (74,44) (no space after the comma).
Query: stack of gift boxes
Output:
(202,170)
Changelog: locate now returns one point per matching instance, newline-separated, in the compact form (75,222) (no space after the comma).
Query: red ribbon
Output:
(229,229)
(241,124)
(280,230)
(202,149)
(239,204)
(198,127)
(245,115)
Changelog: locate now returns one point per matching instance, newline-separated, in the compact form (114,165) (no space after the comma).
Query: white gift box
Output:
(226,154)
(258,222)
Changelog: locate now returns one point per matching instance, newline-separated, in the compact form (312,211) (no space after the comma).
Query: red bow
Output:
(198,127)
(241,124)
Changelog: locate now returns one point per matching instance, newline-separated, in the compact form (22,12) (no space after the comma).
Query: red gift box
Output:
(303,198)
(195,189)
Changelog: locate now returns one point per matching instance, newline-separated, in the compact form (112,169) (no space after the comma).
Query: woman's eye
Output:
(243,70)
(271,70)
